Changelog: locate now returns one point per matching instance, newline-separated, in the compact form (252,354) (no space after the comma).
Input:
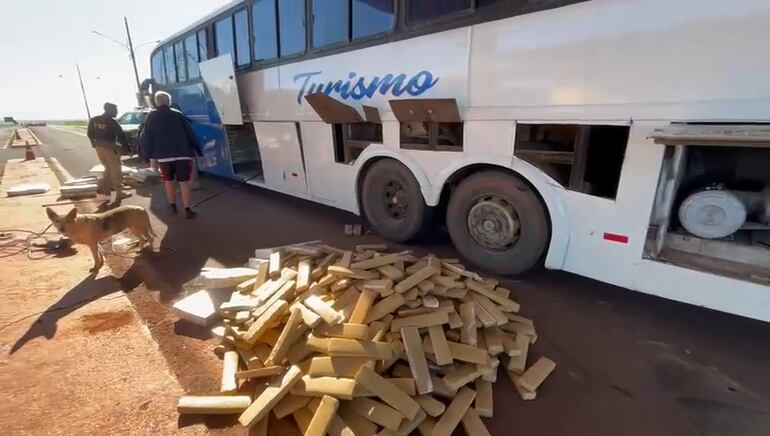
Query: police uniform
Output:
(104,132)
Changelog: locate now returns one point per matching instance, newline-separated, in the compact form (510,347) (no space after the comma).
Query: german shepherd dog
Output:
(90,229)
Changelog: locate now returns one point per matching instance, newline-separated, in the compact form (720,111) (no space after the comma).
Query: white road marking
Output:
(35,136)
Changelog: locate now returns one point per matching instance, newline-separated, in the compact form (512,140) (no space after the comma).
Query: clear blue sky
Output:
(43,39)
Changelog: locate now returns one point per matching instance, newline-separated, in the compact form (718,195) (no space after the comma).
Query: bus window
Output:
(242,49)
(420,10)
(168,54)
(371,17)
(191,51)
(158,73)
(291,22)
(181,65)
(265,30)
(203,45)
(223,33)
(328,19)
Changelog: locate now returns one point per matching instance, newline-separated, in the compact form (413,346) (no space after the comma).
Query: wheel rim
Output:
(396,200)
(493,223)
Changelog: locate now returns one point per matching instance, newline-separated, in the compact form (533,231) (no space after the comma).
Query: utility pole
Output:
(131,55)
(133,61)
(83,89)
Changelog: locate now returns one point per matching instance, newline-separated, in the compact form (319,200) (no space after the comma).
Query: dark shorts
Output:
(179,170)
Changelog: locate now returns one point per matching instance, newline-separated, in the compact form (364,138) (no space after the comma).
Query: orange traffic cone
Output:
(28,153)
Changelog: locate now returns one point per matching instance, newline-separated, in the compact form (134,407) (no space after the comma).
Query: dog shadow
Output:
(62,250)
(89,289)
(60,253)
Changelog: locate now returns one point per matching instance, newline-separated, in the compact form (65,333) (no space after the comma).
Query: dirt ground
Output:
(74,356)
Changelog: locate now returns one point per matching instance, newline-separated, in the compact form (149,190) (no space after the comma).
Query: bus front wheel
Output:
(392,201)
(497,222)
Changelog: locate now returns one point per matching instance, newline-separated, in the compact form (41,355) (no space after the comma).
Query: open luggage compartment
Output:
(244,151)
(712,205)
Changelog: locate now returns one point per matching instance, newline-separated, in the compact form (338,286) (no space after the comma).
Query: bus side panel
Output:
(615,230)
(327,179)
(261,94)
(703,289)
(199,108)
(624,53)
(488,139)
(279,148)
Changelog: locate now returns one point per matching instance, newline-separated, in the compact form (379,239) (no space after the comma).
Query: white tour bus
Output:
(623,140)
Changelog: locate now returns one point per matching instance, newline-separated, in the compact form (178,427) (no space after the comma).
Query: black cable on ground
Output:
(228,189)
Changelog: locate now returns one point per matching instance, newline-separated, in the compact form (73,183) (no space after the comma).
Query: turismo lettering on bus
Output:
(362,88)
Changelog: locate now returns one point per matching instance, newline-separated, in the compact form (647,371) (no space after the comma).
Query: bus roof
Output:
(201,21)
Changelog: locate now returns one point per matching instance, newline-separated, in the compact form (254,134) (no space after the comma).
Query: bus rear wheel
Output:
(497,222)
(392,201)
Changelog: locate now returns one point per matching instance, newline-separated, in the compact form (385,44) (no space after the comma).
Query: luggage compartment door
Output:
(282,157)
(219,77)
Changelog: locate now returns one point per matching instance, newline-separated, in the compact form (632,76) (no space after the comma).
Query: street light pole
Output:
(131,55)
(83,90)
(133,61)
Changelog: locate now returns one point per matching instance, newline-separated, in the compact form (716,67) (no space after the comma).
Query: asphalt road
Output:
(71,148)
(628,363)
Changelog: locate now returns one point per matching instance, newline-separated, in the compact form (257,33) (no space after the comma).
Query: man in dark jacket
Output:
(168,141)
(104,132)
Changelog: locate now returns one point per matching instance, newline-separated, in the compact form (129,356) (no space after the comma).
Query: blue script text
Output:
(359,88)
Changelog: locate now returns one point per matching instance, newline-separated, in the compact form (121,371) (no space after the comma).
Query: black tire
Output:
(502,200)
(392,202)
